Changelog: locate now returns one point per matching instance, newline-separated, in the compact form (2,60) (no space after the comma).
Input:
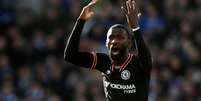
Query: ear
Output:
(106,43)
(107,47)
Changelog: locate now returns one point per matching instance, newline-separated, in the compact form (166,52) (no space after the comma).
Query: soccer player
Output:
(125,76)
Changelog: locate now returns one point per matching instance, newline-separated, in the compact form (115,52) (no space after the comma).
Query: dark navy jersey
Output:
(130,82)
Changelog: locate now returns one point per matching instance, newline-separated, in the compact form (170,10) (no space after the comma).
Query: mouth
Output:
(115,50)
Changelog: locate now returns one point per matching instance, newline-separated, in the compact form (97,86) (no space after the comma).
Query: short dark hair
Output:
(120,26)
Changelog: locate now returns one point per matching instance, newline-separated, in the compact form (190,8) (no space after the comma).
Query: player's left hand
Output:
(87,11)
(131,13)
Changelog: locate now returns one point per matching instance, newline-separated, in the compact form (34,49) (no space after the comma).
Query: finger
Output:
(133,5)
(139,15)
(91,13)
(127,6)
(124,10)
(130,4)
(136,7)
(92,3)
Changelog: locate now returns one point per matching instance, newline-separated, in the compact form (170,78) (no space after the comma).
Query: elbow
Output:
(70,57)
(68,54)
(67,57)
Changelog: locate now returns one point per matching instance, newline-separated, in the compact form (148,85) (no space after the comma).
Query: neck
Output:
(121,60)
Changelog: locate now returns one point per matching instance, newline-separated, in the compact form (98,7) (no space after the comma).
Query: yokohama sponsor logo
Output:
(123,87)
(119,86)
(127,89)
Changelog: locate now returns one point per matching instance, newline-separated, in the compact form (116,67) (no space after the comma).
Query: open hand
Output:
(87,11)
(131,13)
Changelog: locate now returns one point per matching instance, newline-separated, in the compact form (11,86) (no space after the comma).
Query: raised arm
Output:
(72,53)
(132,15)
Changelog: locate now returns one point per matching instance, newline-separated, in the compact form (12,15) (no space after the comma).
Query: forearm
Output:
(72,46)
(143,51)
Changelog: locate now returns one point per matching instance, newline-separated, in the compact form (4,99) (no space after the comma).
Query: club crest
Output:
(125,75)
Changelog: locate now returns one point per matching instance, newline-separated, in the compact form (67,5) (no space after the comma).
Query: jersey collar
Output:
(124,64)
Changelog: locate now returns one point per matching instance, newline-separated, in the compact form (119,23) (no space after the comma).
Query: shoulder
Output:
(103,58)
(102,55)
(102,61)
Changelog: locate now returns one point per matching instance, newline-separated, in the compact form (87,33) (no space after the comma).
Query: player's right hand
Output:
(87,11)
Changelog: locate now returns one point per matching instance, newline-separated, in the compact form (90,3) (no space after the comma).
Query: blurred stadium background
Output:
(33,34)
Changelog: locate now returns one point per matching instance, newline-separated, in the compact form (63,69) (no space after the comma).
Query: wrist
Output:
(81,18)
(135,29)
(134,25)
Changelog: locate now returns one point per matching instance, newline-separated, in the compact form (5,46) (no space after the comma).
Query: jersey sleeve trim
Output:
(94,61)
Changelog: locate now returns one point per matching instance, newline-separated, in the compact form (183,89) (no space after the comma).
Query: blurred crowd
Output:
(33,34)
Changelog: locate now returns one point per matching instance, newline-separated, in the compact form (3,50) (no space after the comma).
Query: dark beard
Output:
(120,56)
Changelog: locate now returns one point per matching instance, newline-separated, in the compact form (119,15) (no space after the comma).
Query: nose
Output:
(114,41)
